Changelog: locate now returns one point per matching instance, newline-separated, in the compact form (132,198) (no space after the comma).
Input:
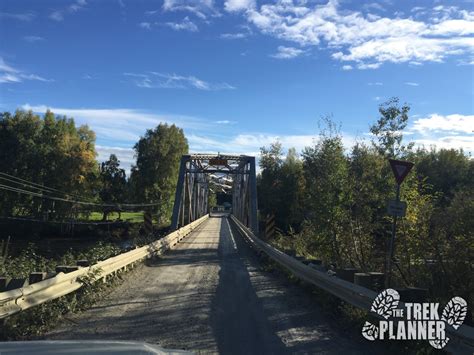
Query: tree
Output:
(388,128)
(268,184)
(113,184)
(328,196)
(446,170)
(49,151)
(156,173)
(370,185)
(291,195)
(211,200)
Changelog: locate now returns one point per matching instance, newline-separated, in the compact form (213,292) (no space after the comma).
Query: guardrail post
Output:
(413,294)
(3,283)
(315,264)
(363,279)
(347,274)
(66,268)
(17,283)
(83,263)
(36,277)
(378,281)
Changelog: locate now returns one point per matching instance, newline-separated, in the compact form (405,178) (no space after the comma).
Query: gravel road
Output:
(210,295)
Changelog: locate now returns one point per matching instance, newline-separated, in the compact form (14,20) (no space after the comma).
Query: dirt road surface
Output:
(210,295)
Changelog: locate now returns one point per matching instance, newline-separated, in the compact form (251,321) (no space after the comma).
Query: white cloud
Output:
(238,35)
(8,74)
(347,67)
(226,122)
(27,16)
(466,62)
(58,15)
(201,8)
(155,80)
(243,32)
(411,83)
(417,9)
(185,25)
(33,38)
(287,52)
(239,5)
(450,123)
(448,142)
(378,83)
(368,65)
(368,40)
(145,25)
(374,6)
(123,126)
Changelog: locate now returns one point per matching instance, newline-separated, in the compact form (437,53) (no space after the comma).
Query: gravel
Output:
(211,295)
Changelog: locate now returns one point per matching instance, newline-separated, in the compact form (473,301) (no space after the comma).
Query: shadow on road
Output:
(256,312)
(237,318)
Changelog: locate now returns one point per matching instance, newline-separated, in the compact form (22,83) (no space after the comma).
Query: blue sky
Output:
(238,74)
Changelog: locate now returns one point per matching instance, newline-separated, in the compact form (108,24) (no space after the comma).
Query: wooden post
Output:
(36,277)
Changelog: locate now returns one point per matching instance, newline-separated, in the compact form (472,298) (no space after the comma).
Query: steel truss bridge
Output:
(230,174)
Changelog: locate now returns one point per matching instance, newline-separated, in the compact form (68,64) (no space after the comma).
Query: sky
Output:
(239,74)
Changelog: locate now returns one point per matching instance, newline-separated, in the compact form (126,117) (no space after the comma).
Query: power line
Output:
(54,198)
(35,186)
(72,221)
(35,194)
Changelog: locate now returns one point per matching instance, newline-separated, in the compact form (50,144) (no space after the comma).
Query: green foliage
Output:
(328,198)
(29,260)
(280,185)
(388,128)
(342,201)
(113,183)
(446,170)
(212,199)
(156,174)
(49,151)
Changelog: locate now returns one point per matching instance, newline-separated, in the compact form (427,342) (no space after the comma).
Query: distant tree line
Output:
(332,204)
(60,176)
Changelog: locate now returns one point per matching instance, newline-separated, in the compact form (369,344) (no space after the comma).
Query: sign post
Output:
(396,208)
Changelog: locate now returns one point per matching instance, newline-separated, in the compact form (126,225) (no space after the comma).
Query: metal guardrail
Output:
(17,300)
(461,340)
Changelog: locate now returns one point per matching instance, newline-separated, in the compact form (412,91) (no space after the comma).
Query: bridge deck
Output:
(209,294)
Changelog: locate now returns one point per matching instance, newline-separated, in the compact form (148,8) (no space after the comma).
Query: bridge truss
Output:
(201,173)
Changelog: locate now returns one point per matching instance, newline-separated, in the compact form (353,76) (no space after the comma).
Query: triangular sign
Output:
(400,169)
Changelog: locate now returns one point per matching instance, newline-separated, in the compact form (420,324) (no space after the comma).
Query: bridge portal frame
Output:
(197,172)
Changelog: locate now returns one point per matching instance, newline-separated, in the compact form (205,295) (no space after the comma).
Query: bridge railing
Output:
(19,299)
(461,340)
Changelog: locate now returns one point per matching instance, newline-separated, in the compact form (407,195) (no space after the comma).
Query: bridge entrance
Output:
(200,174)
